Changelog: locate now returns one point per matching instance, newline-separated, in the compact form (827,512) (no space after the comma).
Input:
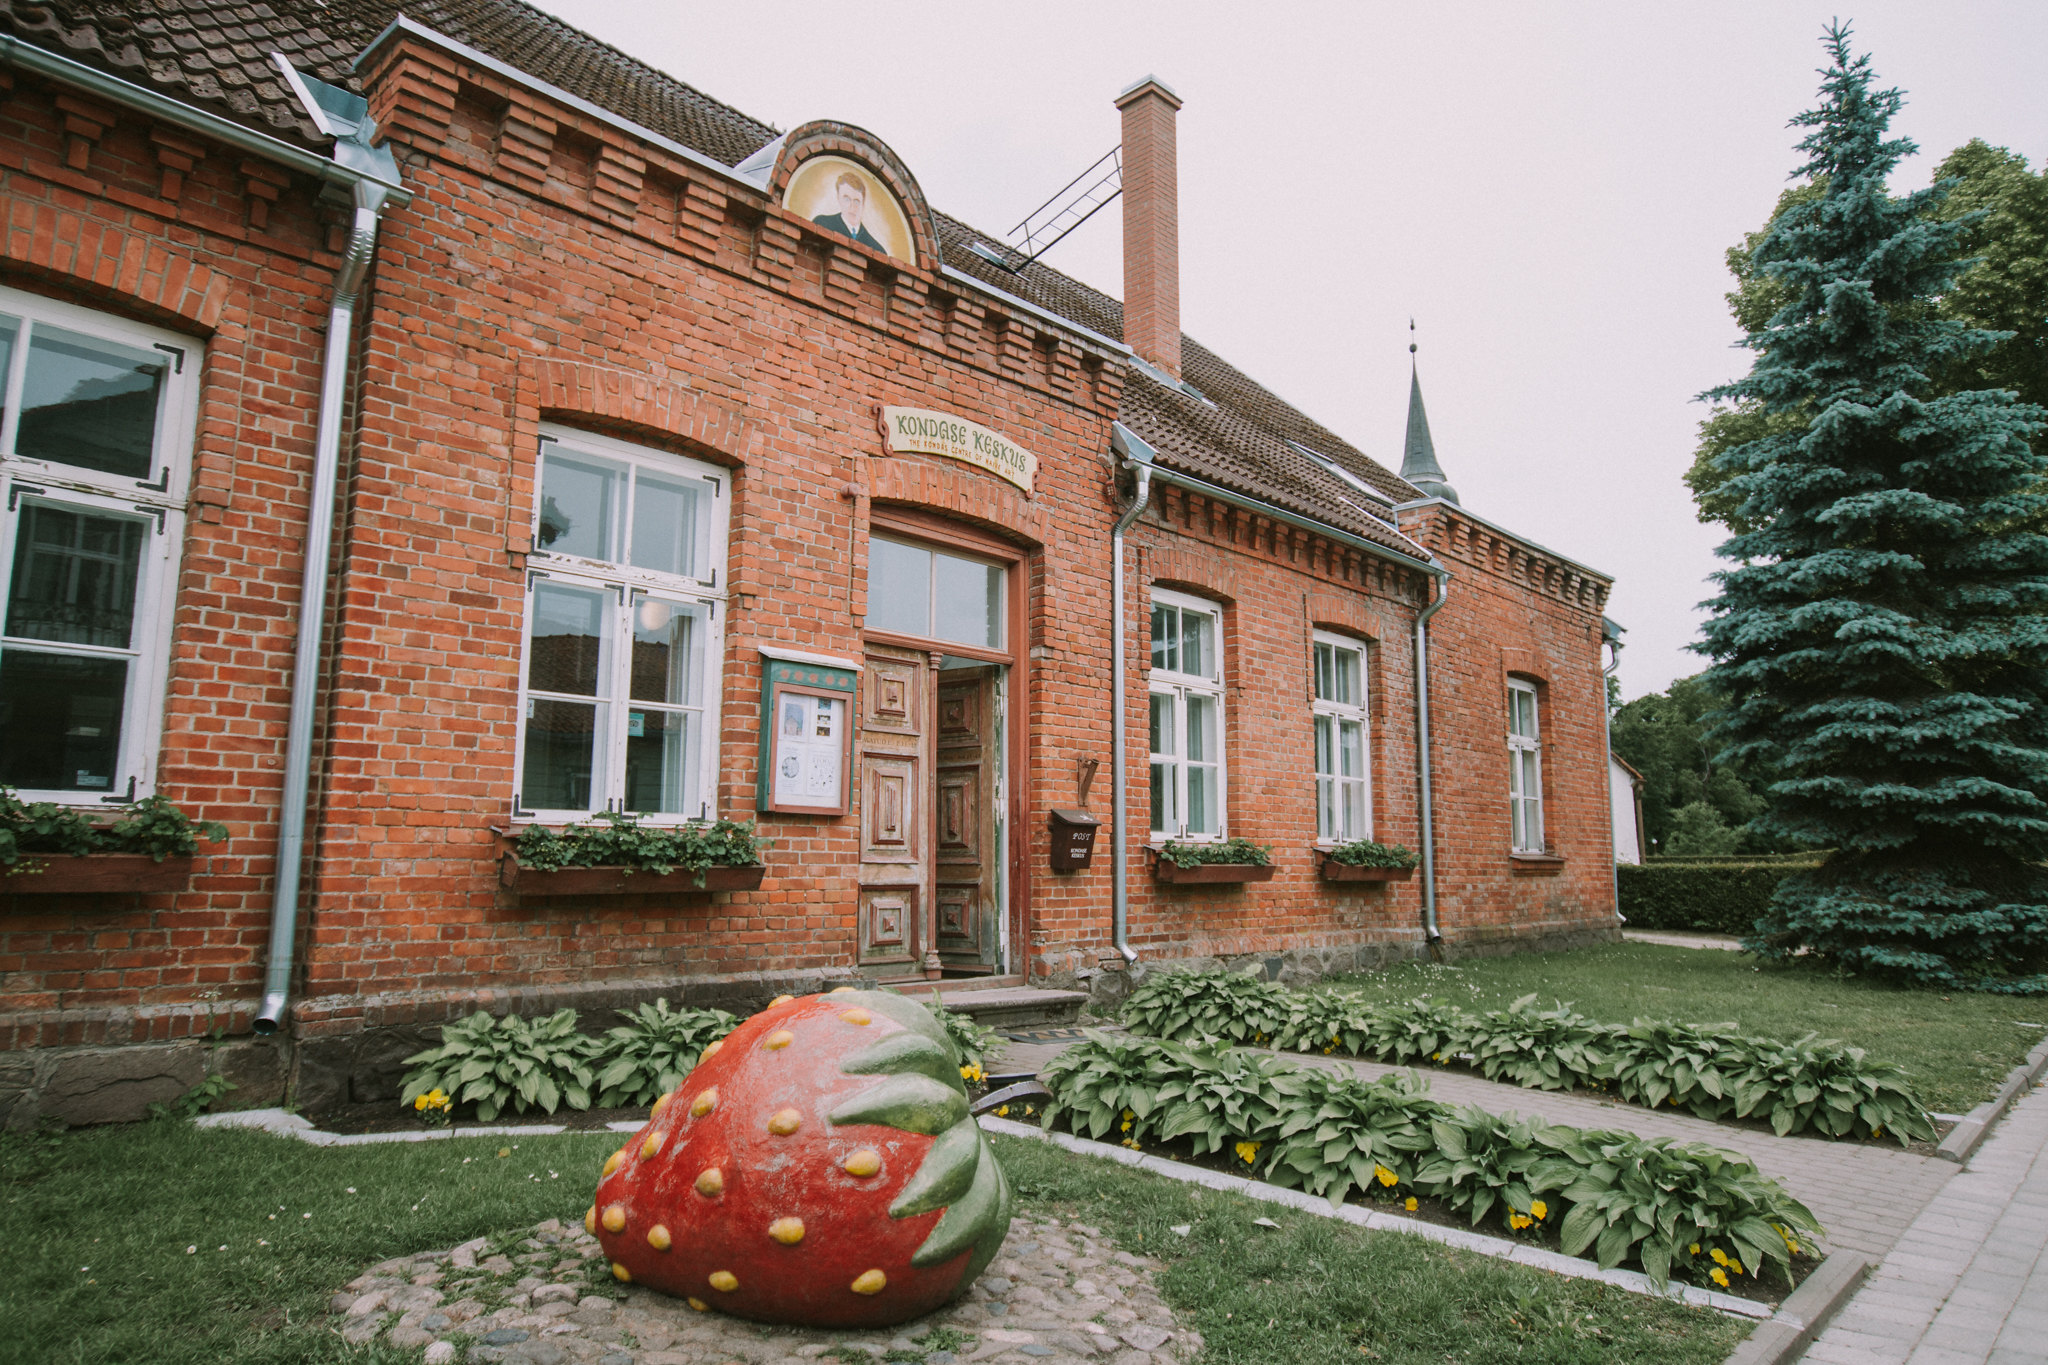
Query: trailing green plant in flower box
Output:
(153,827)
(1234,850)
(618,839)
(1369,853)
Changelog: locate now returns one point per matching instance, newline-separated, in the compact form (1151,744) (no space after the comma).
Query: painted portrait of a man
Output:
(853,202)
(841,196)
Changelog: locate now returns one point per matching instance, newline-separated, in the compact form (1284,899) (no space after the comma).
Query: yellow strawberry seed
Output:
(857,1017)
(788,1231)
(615,1218)
(611,1163)
(705,1102)
(870,1282)
(780,1000)
(842,990)
(590,1220)
(864,1162)
(699,1305)
(659,1105)
(711,1183)
(658,1238)
(711,1048)
(785,1122)
(779,1040)
(724,1281)
(652,1145)
(620,1273)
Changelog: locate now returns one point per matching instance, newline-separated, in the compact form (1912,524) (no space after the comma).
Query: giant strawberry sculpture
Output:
(819,1167)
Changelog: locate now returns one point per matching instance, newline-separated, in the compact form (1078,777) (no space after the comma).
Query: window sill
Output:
(1536,863)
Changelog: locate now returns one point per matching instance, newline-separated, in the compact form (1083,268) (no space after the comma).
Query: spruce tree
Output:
(1881,638)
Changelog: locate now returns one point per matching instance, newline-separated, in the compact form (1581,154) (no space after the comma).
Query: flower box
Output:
(1334,871)
(1209,874)
(621,881)
(59,874)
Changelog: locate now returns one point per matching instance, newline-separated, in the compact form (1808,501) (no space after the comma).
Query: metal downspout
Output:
(298,759)
(1431,936)
(1138,456)
(1613,642)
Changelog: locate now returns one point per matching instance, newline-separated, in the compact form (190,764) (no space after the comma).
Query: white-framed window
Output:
(1525,768)
(1186,686)
(624,641)
(935,594)
(1343,776)
(96,458)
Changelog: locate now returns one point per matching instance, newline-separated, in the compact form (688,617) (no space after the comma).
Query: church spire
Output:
(1418,456)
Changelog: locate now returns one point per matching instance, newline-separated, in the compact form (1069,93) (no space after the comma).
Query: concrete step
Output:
(1003,1007)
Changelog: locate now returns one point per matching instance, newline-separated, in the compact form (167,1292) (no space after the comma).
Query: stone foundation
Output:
(84,1085)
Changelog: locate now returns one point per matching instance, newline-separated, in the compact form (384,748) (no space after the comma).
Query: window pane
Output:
(74,576)
(1162,724)
(60,720)
(578,498)
(10,328)
(969,602)
(1162,798)
(1202,803)
(1351,748)
(1198,644)
(1344,676)
(1326,808)
(899,588)
(90,403)
(561,754)
(1354,811)
(665,524)
(1165,639)
(1520,834)
(661,762)
(1522,712)
(1531,782)
(568,639)
(1201,729)
(1326,747)
(1323,670)
(667,650)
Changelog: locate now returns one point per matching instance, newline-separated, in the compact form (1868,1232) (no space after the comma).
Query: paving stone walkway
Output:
(1864,1194)
(1723,942)
(1967,1282)
(1058,1293)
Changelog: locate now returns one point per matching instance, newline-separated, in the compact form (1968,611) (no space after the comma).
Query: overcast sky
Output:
(1547,188)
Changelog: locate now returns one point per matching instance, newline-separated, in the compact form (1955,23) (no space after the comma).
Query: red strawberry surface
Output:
(818,1167)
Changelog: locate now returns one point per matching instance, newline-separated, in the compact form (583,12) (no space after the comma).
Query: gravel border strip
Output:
(1966,1136)
(1635,1282)
(284,1123)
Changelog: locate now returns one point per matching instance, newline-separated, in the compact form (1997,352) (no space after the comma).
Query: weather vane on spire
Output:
(1411,336)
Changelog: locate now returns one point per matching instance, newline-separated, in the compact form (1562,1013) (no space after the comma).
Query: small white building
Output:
(1625,790)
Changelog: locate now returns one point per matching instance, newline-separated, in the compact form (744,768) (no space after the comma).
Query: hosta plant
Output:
(1675,1206)
(650,1053)
(1552,1049)
(1479,1159)
(973,1040)
(1830,1087)
(1218,1100)
(509,1063)
(1338,1133)
(1424,1029)
(1685,1066)
(1196,1005)
(1106,1084)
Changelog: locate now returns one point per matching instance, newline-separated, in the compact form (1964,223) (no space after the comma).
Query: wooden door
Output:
(894,758)
(968,744)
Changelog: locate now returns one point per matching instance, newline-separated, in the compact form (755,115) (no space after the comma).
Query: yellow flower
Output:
(1409,1203)
(1003,1111)
(972,1072)
(420,1103)
(1539,1210)
(1718,1276)
(1735,1265)
(1129,1115)
(1247,1151)
(1518,1221)
(1386,1177)
(1720,1256)
(1126,1126)
(1693,1250)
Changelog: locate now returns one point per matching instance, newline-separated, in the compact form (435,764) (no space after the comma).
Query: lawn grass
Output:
(1957,1048)
(97,1223)
(1314,1291)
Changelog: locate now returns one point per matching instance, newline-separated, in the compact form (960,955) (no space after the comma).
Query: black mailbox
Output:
(1073,839)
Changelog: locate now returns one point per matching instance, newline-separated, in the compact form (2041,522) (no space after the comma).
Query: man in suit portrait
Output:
(853,203)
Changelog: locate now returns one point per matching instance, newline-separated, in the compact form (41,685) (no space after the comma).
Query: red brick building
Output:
(592,410)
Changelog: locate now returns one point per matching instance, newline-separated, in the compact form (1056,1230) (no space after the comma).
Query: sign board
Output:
(806,737)
(923,432)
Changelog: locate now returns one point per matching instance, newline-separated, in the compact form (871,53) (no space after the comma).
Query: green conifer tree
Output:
(1881,637)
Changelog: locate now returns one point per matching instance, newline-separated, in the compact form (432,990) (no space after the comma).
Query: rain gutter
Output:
(347,118)
(1136,456)
(1431,936)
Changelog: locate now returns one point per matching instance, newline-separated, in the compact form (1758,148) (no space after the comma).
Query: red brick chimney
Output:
(1151,224)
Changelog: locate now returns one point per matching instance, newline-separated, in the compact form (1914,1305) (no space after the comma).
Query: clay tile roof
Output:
(216,55)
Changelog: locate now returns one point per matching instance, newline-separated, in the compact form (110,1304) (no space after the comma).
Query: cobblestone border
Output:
(1635,1282)
(1966,1136)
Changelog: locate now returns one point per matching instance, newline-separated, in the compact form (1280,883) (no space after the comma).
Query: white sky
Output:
(1547,188)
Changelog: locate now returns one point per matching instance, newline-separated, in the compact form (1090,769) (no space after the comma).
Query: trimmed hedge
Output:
(1711,897)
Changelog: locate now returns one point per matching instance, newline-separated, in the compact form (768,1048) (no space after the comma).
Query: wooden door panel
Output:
(895,698)
(888,925)
(891,811)
(960,921)
(960,815)
(964,905)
